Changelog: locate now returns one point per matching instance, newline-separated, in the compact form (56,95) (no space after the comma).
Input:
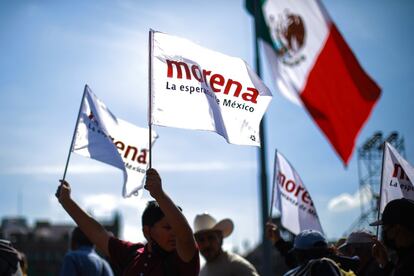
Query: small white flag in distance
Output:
(292,199)
(397,177)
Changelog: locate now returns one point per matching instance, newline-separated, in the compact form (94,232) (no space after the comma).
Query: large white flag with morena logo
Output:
(196,88)
(292,199)
(397,177)
(103,137)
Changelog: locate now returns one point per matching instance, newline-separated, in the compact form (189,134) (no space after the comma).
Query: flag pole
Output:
(267,260)
(272,199)
(380,191)
(150,45)
(74,133)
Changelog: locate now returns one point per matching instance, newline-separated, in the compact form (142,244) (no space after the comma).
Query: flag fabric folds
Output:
(397,177)
(314,67)
(292,199)
(196,88)
(103,137)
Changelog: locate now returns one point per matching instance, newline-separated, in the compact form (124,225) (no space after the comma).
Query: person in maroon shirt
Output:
(171,249)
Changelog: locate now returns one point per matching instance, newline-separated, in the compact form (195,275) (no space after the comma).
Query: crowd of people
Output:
(173,247)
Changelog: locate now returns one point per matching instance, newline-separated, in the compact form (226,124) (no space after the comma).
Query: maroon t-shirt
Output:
(134,259)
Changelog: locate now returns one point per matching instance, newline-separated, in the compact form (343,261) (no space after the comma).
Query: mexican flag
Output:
(313,66)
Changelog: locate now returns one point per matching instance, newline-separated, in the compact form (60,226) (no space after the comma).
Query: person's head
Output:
(156,227)
(397,225)
(359,243)
(209,235)
(9,259)
(79,239)
(310,244)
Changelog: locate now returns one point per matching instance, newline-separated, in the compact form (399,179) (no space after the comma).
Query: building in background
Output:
(45,243)
(370,158)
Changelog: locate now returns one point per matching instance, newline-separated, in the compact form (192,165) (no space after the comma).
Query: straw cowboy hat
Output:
(205,222)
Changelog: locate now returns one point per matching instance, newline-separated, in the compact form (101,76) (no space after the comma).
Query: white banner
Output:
(292,199)
(197,88)
(103,137)
(397,177)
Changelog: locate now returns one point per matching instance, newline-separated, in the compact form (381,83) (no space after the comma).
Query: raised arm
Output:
(92,229)
(185,243)
(272,232)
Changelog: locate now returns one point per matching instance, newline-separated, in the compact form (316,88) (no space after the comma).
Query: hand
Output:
(379,252)
(153,184)
(63,191)
(272,232)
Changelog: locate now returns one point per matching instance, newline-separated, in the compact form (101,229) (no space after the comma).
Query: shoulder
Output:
(74,255)
(69,256)
(233,257)
(117,244)
(122,252)
(240,264)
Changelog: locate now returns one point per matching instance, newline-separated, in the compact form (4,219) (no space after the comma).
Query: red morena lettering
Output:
(124,150)
(291,187)
(399,172)
(217,82)
(131,152)
(178,66)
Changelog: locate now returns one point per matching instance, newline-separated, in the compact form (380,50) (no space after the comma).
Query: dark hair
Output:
(152,213)
(79,238)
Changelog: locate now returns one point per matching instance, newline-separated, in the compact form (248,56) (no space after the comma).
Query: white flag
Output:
(197,88)
(292,199)
(397,177)
(103,137)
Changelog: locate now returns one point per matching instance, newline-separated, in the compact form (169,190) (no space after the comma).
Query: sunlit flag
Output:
(292,199)
(397,177)
(196,88)
(313,66)
(103,137)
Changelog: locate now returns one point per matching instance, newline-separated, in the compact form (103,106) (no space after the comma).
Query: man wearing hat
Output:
(310,252)
(359,243)
(209,235)
(397,223)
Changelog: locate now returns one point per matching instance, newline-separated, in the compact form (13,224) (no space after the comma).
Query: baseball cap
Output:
(398,211)
(358,237)
(309,239)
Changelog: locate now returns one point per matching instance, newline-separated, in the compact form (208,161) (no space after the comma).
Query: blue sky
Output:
(51,49)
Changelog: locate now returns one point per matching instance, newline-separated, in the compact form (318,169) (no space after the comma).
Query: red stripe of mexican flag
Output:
(338,94)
